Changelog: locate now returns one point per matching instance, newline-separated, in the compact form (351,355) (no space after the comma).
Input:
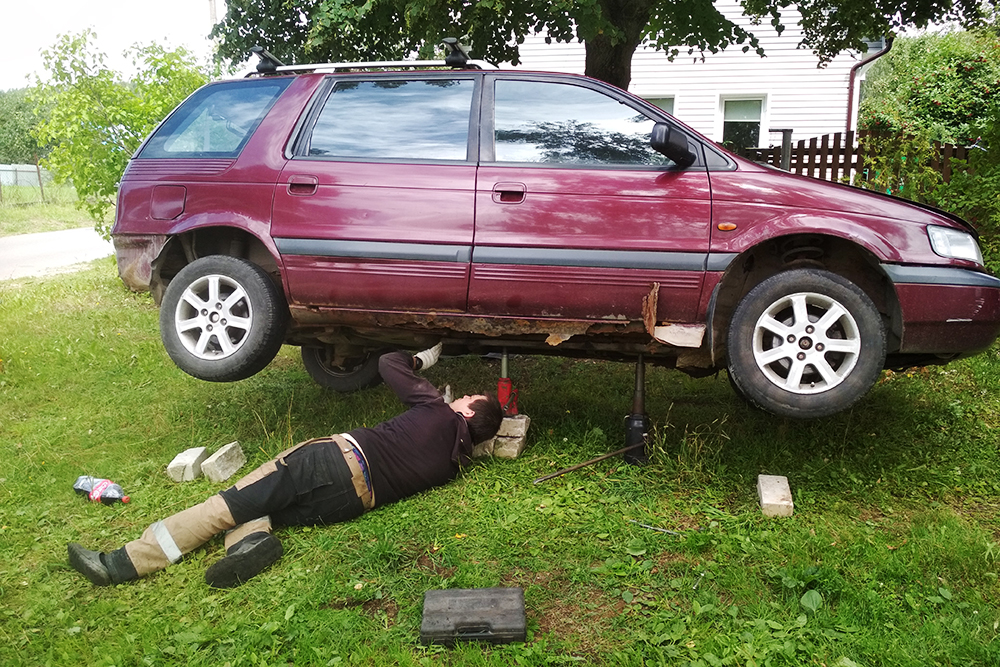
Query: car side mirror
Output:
(673,143)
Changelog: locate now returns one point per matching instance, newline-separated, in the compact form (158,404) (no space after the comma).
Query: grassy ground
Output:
(890,559)
(23,211)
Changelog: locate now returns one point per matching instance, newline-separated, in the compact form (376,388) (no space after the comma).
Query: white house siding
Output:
(797,95)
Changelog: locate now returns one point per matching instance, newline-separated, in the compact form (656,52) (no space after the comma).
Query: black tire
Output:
(785,365)
(220,294)
(357,373)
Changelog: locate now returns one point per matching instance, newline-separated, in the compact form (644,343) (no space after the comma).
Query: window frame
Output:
(298,147)
(743,97)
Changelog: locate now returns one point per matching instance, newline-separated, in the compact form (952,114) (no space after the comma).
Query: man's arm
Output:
(396,369)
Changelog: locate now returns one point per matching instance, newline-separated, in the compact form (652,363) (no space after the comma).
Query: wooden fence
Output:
(837,157)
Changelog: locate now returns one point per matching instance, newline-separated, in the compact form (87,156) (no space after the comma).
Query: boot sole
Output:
(239,568)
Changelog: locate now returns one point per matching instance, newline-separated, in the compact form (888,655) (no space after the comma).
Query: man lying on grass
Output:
(320,481)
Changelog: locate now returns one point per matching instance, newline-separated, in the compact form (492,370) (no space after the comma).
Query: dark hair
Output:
(485,423)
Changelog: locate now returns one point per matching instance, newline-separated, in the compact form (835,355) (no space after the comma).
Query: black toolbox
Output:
(494,615)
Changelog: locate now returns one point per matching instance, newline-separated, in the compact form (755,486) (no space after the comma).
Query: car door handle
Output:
(302,185)
(509,193)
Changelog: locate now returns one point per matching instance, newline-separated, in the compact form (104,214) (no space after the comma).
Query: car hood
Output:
(766,184)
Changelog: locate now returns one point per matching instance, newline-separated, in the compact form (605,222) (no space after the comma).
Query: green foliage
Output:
(319,30)
(96,120)
(17,146)
(974,189)
(938,86)
(899,165)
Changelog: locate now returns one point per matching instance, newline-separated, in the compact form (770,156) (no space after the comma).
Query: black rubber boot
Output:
(100,568)
(89,564)
(244,560)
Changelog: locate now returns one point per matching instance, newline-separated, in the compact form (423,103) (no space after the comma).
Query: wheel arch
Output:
(185,247)
(832,253)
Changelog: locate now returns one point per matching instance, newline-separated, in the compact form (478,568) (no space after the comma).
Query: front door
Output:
(375,208)
(576,216)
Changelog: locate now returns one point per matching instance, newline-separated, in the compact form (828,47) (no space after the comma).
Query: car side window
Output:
(544,122)
(216,121)
(397,119)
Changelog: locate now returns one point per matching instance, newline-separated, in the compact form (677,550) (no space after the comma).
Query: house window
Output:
(665,103)
(741,123)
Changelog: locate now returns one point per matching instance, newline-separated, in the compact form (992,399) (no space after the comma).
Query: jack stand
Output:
(506,393)
(637,423)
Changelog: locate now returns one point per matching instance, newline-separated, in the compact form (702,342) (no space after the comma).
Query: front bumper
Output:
(946,310)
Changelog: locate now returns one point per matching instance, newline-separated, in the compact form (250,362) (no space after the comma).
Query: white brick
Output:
(186,466)
(775,495)
(221,465)
(514,427)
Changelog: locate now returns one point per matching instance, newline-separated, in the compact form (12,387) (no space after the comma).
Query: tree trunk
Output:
(612,62)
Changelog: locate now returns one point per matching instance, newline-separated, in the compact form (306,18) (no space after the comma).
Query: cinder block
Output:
(186,466)
(221,465)
(508,448)
(775,495)
(483,449)
(514,427)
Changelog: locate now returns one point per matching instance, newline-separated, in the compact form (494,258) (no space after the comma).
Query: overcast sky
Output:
(27,27)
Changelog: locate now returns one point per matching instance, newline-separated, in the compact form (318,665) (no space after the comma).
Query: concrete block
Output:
(509,441)
(514,427)
(775,495)
(186,466)
(508,448)
(483,449)
(221,465)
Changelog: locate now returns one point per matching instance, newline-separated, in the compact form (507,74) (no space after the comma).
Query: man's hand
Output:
(427,358)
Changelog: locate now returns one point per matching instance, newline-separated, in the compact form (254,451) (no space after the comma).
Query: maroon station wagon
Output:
(348,212)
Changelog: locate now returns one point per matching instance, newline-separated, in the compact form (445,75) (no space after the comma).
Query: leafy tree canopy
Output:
(96,119)
(17,146)
(941,86)
(333,30)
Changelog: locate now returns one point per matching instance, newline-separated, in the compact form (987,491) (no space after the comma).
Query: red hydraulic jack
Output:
(506,393)
(637,423)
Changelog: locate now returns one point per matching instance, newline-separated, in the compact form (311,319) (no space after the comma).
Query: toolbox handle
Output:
(474,631)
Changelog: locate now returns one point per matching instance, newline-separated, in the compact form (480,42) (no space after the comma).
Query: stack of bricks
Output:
(192,463)
(509,441)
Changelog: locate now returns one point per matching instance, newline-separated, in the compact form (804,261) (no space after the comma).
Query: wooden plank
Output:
(824,155)
(812,158)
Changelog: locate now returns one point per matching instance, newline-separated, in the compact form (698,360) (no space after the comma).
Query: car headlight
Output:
(949,242)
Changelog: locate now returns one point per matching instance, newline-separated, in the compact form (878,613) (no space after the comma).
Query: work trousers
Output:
(318,481)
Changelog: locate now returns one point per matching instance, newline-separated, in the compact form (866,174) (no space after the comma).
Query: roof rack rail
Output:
(457,58)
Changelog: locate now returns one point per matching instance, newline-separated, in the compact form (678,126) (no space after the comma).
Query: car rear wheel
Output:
(805,343)
(222,319)
(346,375)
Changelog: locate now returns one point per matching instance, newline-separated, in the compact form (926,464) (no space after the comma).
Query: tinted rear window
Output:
(415,120)
(216,121)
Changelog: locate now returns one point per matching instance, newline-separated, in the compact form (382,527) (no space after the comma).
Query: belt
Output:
(356,461)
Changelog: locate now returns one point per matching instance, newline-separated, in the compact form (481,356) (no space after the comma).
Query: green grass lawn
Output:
(890,559)
(24,211)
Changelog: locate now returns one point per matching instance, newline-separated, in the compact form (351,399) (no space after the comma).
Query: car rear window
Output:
(216,121)
(395,119)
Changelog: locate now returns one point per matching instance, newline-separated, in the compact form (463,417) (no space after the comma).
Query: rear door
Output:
(375,208)
(576,216)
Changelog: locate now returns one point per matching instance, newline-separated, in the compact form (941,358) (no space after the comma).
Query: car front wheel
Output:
(805,343)
(222,319)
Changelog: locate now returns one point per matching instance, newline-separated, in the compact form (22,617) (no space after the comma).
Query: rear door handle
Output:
(302,185)
(509,193)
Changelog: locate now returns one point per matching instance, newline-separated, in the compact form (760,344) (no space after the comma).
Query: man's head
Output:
(482,413)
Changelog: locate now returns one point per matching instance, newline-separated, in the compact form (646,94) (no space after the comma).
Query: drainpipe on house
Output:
(853,77)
